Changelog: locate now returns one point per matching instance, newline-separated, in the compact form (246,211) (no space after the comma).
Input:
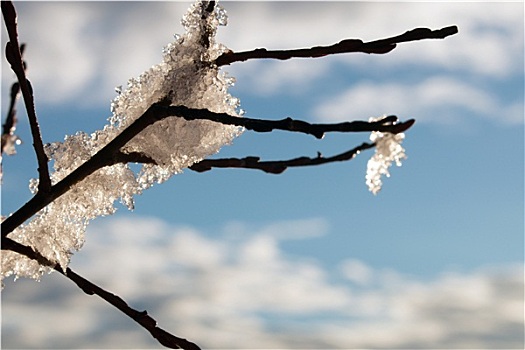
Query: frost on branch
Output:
(186,76)
(388,150)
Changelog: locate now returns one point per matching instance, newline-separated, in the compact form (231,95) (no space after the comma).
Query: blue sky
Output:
(243,259)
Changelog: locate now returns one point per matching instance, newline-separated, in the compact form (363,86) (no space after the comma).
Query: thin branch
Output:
(345,46)
(158,111)
(141,317)
(386,124)
(132,157)
(250,162)
(9,244)
(276,167)
(207,10)
(11,120)
(14,57)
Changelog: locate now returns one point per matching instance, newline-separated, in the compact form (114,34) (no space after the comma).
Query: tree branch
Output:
(207,10)
(14,57)
(386,124)
(276,167)
(132,157)
(345,46)
(250,162)
(141,317)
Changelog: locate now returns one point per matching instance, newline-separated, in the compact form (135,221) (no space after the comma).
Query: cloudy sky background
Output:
(309,258)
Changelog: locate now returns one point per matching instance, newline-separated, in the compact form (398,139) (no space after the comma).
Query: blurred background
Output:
(309,258)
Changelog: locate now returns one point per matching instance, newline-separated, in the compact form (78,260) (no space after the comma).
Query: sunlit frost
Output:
(388,150)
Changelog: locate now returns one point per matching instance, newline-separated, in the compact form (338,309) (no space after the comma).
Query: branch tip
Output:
(380,46)
(14,56)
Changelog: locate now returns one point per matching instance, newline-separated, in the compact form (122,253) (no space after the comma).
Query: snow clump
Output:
(388,150)
(186,76)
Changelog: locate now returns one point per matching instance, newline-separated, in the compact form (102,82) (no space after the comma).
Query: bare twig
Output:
(141,317)
(345,46)
(14,57)
(132,157)
(276,167)
(9,127)
(251,162)
(11,120)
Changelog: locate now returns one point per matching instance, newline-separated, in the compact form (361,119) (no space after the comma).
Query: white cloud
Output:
(269,78)
(487,45)
(436,99)
(58,57)
(356,271)
(244,291)
(80,51)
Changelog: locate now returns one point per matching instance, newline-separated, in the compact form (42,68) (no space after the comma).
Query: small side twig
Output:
(132,157)
(141,317)
(251,162)
(276,167)
(11,120)
(14,57)
(345,46)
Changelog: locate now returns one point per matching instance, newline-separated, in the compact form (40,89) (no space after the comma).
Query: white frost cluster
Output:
(187,76)
(388,150)
(9,143)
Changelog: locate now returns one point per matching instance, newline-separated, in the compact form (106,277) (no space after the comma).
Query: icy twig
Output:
(345,46)
(276,167)
(208,8)
(14,57)
(9,244)
(141,317)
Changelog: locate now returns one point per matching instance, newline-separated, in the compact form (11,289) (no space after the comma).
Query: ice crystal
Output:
(186,76)
(9,143)
(388,150)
